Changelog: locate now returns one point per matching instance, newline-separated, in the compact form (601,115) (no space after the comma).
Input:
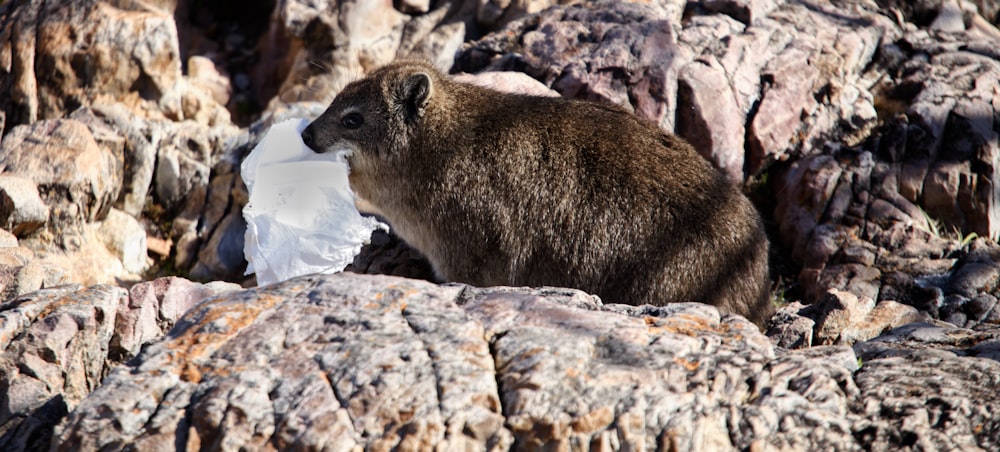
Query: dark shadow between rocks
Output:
(34,432)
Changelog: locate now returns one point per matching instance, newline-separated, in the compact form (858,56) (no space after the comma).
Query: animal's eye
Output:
(352,120)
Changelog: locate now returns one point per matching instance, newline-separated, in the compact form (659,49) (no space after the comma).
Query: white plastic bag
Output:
(301,217)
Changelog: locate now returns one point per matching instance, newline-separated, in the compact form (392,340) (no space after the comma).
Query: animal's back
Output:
(586,195)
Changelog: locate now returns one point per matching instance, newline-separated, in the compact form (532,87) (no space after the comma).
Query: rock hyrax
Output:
(505,189)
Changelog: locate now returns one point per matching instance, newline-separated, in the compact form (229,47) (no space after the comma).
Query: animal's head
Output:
(375,120)
(376,117)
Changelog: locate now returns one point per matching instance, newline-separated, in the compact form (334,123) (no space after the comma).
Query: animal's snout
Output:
(309,137)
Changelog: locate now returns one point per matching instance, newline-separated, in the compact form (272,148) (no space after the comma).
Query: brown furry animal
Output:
(505,189)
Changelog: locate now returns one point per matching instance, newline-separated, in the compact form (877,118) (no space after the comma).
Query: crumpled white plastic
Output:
(300,217)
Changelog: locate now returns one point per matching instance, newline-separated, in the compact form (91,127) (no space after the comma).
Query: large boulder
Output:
(383,363)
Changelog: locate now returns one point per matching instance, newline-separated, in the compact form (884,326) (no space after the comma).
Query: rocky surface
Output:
(866,131)
(58,345)
(384,363)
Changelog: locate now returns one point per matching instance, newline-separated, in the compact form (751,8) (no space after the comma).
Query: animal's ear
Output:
(414,93)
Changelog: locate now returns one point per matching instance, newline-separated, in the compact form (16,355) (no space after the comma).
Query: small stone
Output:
(837,312)
(31,277)
(789,328)
(746,11)
(886,315)
(126,238)
(203,74)
(7,240)
(978,307)
(22,211)
(950,18)
(957,318)
(15,256)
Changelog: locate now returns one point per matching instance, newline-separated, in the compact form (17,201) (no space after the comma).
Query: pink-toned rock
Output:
(623,53)
(807,186)
(711,120)
(152,309)
(788,96)
(507,81)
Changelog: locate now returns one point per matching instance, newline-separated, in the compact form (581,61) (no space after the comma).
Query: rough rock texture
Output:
(839,318)
(930,375)
(56,346)
(101,115)
(625,54)
(22,211)
(392,364)
(713,79)
(59,56)
(77,178)
(311,49)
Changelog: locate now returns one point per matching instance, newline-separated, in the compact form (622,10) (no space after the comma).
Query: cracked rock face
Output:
(384,363)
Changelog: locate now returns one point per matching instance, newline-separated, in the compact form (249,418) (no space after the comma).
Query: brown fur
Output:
(505,189)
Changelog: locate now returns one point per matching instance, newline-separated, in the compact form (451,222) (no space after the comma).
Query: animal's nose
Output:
(308,137)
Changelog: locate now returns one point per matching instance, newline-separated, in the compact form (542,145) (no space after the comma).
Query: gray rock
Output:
(949,17)
(405,392)
(837,311)
(792,326)
(223,253)
(386,363)
(140,155)
(52,356)
(22,211)
(929,400)
(33,276)
(183,161)
(980,307)
(351,38)
(56,345)
(975,276)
